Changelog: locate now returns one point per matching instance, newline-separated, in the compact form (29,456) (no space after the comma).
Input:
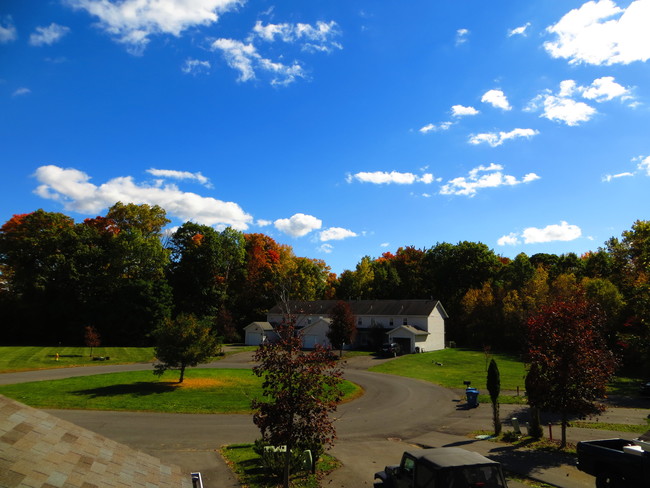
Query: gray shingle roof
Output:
(38,449)
(363,307)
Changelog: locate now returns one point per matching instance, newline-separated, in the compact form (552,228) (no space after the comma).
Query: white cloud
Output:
(384,244)
(608,178)
(298,225)
(336,234)
(180,175)
(511,239)
(497,99)
(604,89)
(494,139)
(21,91)
(519,31)
(313,38)
(245,59)
(643,164)
(8,31)
(263,222)
(133,22)
(600,32)
(550,233)
(461,111)
(383,177)
(435,128)
(73,189)
(326,248)
(48,35)
(461,36)
(483,177)
(195,66)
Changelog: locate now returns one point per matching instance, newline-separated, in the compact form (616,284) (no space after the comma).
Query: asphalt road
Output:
(371,429)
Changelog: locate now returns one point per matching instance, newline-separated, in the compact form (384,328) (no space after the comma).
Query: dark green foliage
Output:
(182,342)
(343,326)
(494,387)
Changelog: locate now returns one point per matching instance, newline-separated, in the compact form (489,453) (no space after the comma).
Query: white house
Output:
(417,325)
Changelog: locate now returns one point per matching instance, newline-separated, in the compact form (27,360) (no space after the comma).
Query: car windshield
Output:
(474,477)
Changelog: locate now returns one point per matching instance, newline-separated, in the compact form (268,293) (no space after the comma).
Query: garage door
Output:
(253,338)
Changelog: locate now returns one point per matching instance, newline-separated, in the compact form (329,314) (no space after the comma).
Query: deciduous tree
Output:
(343,326)
(91,338)
(572,363)
(301,389)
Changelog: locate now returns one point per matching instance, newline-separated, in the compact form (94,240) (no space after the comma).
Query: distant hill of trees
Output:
(120,274)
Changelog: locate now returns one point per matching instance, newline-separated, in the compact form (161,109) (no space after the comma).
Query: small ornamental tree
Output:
(182,342)
(535,393)
(91,338)
(343,328)
(573,364)
(494,387)
(300,390)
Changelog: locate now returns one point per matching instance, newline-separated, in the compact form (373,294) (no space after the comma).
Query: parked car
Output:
(442,467)
(391,349)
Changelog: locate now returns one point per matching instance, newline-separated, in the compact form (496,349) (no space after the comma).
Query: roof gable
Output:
(364,307)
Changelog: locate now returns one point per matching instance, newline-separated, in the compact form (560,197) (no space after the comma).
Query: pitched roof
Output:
(363,307)
(411,329)
(39,449)
(261,325)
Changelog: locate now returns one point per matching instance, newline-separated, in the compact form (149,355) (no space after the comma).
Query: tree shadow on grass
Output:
(65,355)
(141,388)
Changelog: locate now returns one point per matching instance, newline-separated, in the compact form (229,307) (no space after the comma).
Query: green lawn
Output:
(202,391)
(451,367)
(23,358)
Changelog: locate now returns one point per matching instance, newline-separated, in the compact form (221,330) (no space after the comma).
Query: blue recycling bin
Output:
(472,397)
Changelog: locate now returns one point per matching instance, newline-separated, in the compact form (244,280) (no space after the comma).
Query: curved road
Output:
(370,429)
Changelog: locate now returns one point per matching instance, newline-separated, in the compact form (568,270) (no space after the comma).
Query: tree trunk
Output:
(535,424)
(496,420)
(180,380)
(565,421)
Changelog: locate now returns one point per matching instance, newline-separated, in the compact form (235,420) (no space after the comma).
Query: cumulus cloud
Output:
(195,66)
(48,35)
(643,164)
(74,190)
(496,139)
(21,91)
(601,33)
(497,99)
(246,59)
(511,239)
(8,31)
(483,177)
(383,177)
(435,128)
(550,233)
(318,37)
(263,222)
(326,248)
(298,224)
(461,111)
(461,36)
(180,175)
(133,22)
(336,234)
(519,31)
(563,107)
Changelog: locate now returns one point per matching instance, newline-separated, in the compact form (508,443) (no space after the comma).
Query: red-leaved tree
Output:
(570,358)
(343,327)
(300,390)
(91,338)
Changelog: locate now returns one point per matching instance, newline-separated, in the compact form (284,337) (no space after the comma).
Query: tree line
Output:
(121,274)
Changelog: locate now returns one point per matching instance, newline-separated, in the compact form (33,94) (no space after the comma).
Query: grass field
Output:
(451,367)
(202,391)
(24,358)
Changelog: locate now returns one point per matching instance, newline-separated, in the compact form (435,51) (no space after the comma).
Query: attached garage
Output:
(408,337)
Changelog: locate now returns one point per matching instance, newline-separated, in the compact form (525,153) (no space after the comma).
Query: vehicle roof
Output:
(447,457)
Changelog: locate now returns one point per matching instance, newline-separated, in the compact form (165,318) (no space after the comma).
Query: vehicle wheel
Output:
(608,480)
(378,484)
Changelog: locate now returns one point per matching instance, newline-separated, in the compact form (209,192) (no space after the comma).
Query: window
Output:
(391,322)
(405,321)
(308,320)
(359,321)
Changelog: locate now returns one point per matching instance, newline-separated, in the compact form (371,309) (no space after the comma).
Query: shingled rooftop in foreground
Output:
(39,449)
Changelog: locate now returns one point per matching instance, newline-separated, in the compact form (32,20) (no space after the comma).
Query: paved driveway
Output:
(370,428)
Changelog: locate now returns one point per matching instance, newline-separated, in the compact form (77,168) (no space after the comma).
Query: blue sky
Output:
(342,128)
